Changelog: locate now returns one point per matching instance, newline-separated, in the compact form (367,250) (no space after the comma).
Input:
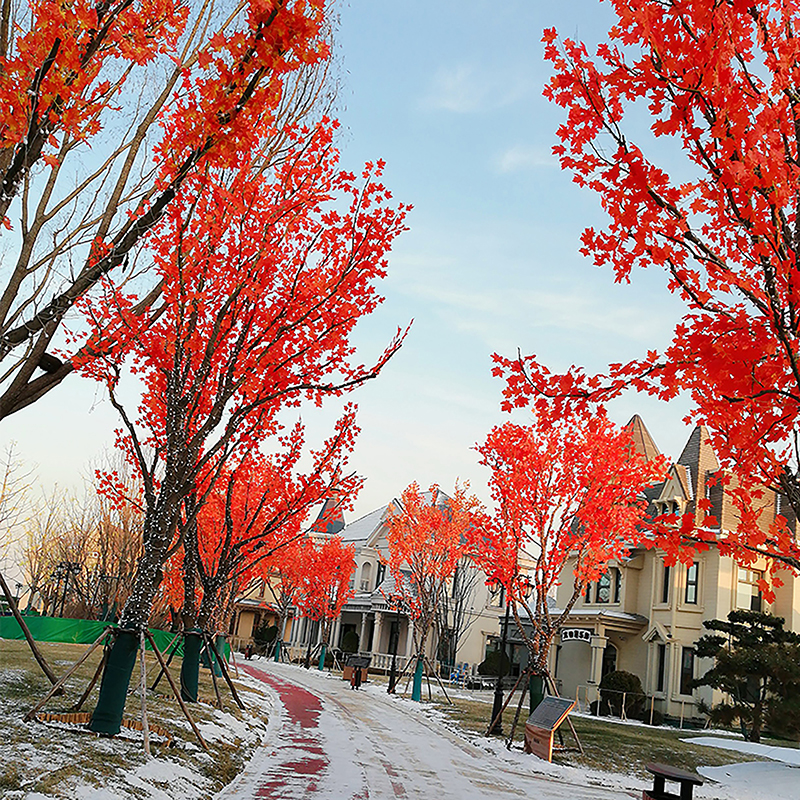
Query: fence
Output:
(77,631)
(624,705)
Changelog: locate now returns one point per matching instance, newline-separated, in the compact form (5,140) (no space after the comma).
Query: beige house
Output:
(644,616)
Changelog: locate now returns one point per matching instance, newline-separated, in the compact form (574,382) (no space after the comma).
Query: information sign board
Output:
(542,724)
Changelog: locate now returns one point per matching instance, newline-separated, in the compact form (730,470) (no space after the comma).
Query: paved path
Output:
(330,742)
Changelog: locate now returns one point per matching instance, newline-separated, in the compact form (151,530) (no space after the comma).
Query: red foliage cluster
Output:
(427,537)
(720,80)
(564,490)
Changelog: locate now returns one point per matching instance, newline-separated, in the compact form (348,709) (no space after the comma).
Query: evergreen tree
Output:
(757,665)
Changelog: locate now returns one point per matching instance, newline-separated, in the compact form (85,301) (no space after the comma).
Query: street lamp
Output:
(524,590)
(497,705)
(396,602)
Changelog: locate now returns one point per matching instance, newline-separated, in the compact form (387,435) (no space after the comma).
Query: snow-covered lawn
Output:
(361,731)
(53,759)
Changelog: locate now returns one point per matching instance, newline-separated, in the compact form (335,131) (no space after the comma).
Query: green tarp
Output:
(77,631)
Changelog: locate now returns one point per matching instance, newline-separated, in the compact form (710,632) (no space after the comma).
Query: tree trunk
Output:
(107,716)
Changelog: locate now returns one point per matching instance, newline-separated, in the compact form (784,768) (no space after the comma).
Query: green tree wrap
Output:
(107,716)
(322,655)
(190,665)
(535,691)
(416,691)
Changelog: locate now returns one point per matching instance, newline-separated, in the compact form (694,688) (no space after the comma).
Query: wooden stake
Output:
(439,681)
(519,709)
(225,674)
(505,703)
(169,660)
(235,665)
(143,690)
(175,689)
(68,674)
(40,659)
(97,673)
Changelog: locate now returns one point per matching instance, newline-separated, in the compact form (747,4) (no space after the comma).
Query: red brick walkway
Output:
(300,762)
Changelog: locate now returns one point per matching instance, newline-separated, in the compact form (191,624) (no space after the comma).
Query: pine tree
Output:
(757,665)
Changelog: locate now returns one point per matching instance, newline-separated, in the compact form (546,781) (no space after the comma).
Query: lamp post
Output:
(396,603)
(497,705)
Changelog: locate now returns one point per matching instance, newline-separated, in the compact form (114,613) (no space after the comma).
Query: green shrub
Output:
(491,664)
(350,642)
(619,684)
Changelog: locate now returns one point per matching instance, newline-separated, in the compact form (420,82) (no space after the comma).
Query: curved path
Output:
(330,742)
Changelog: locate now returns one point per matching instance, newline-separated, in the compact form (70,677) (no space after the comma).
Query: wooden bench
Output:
(663,772)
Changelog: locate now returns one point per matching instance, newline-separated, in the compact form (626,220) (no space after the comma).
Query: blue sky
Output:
(450,95)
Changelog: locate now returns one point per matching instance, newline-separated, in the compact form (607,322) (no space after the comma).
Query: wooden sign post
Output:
(542,724)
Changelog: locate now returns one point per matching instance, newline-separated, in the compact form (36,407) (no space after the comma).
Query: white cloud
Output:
(522,157)
(465,89)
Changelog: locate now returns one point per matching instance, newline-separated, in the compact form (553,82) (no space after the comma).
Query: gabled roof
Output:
(361,529)
(697,448)
(330,519)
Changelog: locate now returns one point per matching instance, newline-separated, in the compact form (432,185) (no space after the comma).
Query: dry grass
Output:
(51,758)
(608,746)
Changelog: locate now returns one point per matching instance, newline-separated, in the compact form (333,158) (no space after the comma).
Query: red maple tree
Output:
(427,538)
(264,275)
(326,585)
(256,509)
(159,91)
(719,80)
(567,491)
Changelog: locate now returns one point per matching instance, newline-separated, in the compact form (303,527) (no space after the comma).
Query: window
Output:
(748,591)
(692,573)
(603,591)
(380,575)
(687,670)
(617,584)
(665,584)
(607,589)
(661,666)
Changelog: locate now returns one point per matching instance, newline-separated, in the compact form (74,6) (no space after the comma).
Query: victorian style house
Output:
(644,616)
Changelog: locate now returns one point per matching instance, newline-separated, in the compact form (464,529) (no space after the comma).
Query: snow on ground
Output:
(371,734)
(755,780)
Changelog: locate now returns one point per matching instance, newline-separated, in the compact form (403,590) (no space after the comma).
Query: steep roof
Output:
(362,528)
(642,440)
(330,518)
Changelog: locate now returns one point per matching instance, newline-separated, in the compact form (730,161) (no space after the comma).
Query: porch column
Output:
(337,626)
(376,632)
(410,638)
(598,646)
(362,639)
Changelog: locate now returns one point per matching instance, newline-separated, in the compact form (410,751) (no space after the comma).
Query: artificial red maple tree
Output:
(326,585)
(567,491)
(427,539)
(264,276)
(720,81)
(283,576)
(153,91)
(256,509)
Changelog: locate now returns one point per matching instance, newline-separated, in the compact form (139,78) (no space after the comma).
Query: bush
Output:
(350,642)
(264,635)
(619,684)
(491,664)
